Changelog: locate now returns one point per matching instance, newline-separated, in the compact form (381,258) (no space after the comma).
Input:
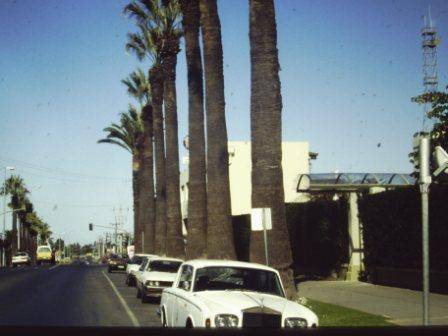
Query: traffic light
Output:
(90,227)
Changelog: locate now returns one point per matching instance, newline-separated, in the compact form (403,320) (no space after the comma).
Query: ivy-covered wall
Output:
(319,235)
(392,228)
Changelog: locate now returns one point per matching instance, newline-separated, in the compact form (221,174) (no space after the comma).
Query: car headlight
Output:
(112,262)
(296,322)
(152,283)
(226,321)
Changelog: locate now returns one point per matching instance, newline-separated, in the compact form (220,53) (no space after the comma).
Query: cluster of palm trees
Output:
(25,221)
(149,132)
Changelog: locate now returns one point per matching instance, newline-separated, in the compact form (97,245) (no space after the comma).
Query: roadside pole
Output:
(265,238)
(424,182)
(261,220)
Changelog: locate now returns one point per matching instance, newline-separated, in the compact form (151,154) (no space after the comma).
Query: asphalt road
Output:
(71,295)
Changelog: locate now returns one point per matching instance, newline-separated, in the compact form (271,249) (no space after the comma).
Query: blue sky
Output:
(348,70)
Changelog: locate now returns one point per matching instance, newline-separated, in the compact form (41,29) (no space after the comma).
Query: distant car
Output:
(133,265)
(21,258)
(155,275)
(44,255)
(226,294)
(116,263)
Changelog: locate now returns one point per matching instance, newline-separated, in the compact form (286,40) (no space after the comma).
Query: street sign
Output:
(261,219)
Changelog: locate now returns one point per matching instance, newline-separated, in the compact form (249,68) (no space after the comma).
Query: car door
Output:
(181,306)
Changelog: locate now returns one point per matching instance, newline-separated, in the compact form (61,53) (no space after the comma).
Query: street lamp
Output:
(7,168)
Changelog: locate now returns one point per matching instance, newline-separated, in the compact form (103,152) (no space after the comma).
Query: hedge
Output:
(392,228)
(319,235)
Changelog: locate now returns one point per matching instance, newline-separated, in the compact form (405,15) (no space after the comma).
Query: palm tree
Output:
(170,25)
(15,187)
(197,200)
(127,135)
(219,222)
(146,44)
(44,233)
(266,136)
(139,88)
(159,24)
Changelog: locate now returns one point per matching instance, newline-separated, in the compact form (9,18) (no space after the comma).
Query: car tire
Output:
(109,270)
(139,293)
(144,298)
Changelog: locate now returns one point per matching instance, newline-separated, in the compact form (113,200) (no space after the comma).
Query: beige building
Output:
(295,161)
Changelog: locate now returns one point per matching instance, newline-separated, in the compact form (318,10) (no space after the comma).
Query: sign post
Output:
(261,220)
(424,182)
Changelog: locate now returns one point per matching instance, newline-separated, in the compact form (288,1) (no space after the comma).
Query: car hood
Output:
(132,268)
(218,302)
(159,276)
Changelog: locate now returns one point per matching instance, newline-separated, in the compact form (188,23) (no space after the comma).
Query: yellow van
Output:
(44,255)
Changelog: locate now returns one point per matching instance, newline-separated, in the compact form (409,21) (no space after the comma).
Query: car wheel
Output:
(144,298)
(164,323)
(127,281)
(189,324)
(139,293)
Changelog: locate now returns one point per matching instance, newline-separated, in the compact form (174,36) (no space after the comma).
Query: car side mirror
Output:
(186,285)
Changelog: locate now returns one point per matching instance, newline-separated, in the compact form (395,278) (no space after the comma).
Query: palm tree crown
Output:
(126,134)
(15,186)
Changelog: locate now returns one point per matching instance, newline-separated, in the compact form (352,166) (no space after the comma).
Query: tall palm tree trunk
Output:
(266,136)
(146,178)
(174,241)
(197,187)
(136,168)
(14,233)
(157,87)
(219,224)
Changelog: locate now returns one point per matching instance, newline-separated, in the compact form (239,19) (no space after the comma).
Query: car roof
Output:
(197,263)
(145,255)
(165,258)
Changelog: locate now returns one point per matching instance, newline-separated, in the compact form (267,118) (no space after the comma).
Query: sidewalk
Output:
(401,306)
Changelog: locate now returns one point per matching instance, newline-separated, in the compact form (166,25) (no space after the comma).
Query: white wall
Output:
(295,161)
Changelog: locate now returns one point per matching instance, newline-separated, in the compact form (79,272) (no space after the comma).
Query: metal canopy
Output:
(337,182)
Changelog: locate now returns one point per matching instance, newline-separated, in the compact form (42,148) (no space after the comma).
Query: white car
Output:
(21,258)
(156,274)
(133,266)
(221,293)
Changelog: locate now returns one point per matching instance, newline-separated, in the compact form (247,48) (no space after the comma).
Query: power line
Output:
(57,170)
(57,203)
(70,180)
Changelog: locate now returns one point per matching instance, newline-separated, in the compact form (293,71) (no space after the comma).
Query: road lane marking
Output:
(123,302)
(53,267)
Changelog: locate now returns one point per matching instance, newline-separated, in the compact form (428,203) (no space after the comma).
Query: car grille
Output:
(165,283)
(259,317)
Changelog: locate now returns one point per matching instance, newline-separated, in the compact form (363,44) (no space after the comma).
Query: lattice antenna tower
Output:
(430,41)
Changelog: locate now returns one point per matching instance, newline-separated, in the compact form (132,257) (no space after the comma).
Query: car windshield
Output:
(237,278)
(44,249)
(167,266)
(136,260)
(20,254)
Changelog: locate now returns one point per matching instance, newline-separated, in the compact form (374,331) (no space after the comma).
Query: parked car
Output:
(21,258)
(44,254)
(116,262)
(133,266)
(220,293)
(158,273)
